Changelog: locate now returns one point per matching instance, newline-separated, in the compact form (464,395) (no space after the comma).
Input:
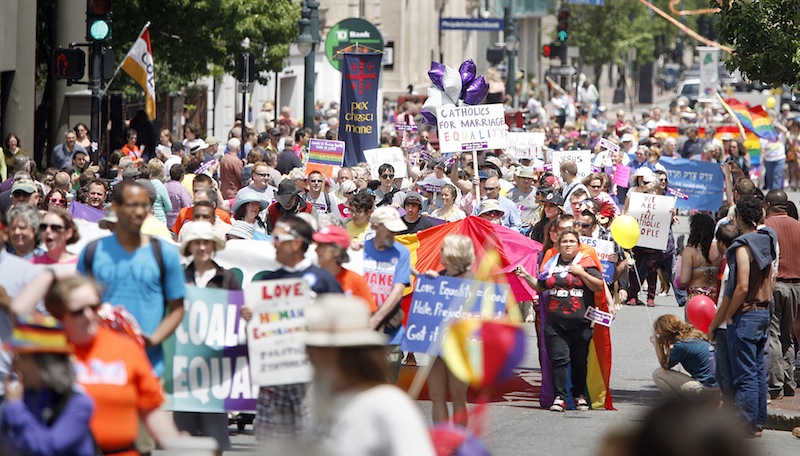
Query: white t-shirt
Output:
(382,420)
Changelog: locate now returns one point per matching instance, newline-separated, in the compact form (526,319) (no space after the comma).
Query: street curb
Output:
(782,421)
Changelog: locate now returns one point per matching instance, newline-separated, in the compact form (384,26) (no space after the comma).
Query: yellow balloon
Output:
(625,231)
(770,102)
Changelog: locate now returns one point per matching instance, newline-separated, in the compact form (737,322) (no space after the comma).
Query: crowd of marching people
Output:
(72,359)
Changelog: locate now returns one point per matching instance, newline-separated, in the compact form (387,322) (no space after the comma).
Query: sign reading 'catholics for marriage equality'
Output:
(654,214)
(463,128)
(276,332)
(206,359)
(437,302)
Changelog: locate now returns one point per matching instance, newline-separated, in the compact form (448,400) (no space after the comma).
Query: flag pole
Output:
(123,61)
(733,115)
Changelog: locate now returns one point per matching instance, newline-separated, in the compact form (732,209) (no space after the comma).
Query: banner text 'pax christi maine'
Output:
(358,112)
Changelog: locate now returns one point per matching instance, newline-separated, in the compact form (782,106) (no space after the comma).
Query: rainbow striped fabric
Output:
(38,334)
(754,119)
(671,131)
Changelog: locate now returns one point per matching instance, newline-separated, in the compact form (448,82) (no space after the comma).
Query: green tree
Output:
(196,38)
(765,36)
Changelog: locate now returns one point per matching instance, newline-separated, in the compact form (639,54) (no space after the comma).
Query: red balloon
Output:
(700,310)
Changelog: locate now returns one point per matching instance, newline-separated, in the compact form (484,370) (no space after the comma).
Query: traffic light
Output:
(98,20)
(68,64)
(552,50)
(562,32)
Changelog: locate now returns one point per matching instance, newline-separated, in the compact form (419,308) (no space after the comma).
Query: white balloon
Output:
(436,98)
(451,81)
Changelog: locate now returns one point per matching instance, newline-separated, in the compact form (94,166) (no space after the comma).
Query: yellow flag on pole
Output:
(138,64)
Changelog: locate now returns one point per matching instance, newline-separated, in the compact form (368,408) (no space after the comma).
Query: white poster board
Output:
(654,214)
(582,158)
(523,145)
(276,333)
(709,74)
(391,155)
(479,127)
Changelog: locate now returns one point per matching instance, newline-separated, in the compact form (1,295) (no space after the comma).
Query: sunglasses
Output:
(490,189)
(388,176)
(283,238)
(261,174)
(352,193)
(662,180)
(58,201)
(596,186)
(53,227)
(80,312)
(316,181)
(495,214)
(587,225)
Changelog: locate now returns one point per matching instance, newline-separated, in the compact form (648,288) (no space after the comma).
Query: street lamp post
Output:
(510,37)
(307,42)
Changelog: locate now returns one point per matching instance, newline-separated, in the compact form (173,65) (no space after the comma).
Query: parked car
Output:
(689,89)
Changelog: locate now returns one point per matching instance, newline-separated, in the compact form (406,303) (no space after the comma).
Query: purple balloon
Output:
(476,91)
(428,117)
(436,74)
(467,71)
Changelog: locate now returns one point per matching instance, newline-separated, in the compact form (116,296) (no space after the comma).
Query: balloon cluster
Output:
(453,87)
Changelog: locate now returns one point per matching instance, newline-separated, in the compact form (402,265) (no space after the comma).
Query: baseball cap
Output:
(388,217)
(26,186)
(211,140)
(178,146)
(554,198)
(332,234)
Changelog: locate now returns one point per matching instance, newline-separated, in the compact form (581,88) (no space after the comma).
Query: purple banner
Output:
(84,212)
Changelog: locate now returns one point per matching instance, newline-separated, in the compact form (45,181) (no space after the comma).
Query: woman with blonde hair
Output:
(678,342)
(457,256)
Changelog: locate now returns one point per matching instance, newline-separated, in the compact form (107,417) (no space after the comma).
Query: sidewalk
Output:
(784,414)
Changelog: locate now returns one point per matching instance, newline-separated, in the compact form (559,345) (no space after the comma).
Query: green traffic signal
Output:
(563,35)
(99,30)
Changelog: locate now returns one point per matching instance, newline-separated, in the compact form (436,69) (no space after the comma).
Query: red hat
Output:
(333,234)
(607,211)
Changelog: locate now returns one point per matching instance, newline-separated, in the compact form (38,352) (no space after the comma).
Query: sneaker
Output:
(411,360)
(651,303)
(558,405)
(581,404)
(631,302)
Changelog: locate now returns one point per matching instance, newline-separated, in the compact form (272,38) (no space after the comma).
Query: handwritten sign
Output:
(472,128)
(608,145)
(275,334)
(391,155)
(606,252)
(596,315)
(206,362)
(525,145)
(654,214)
(582,158)
(622,175)
(435,303)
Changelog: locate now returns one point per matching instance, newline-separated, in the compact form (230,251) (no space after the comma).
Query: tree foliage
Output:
(606,33)
(765,36)
(195,38)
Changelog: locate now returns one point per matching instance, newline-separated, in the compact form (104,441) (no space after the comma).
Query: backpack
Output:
(91,249)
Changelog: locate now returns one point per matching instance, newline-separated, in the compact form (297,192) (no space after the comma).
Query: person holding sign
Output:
(457,256)
(571,279)
(357,412)
(201,243)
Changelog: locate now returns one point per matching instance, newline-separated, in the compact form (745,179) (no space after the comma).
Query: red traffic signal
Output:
(68,64)
(552,50)
(547,50)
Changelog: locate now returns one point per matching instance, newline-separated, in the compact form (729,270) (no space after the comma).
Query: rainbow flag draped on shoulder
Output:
(753,119)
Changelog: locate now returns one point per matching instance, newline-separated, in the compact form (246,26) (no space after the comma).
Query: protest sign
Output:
(206,365)
(275,335)
(703,182)
(325,156)
(606,253)
(596,315)
(391,155)
(622,175)
(654,214)
(463,128)
(436,302)
(608,145)
(582,158)
(522,145)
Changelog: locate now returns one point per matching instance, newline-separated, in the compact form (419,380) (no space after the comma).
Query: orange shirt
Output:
(117,375)
(355,285)
(188,212)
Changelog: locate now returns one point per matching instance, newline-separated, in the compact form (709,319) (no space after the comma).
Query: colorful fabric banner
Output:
(671,131)
(85,212)
(358,114)
(754,119)
(206,362)
(702,181)
(437,303)
(139,65)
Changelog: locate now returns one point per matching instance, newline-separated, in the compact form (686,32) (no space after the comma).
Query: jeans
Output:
(773,174)
(747,338)
(568,347)
(724,374)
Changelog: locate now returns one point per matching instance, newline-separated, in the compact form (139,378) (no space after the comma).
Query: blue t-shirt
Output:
(382,270)
(133,280)
(692,354)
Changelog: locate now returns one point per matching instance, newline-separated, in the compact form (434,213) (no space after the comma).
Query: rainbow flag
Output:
(753,119)
(671,131)
(326,152)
